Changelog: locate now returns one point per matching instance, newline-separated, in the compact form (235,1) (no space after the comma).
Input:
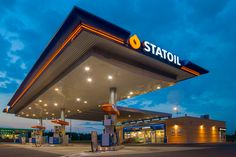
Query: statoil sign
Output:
(154,50)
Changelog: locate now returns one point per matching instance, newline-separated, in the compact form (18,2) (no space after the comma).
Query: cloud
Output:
(12,57)
(23,66)
(16,45)
(3,74)
(6,80)
(3,84)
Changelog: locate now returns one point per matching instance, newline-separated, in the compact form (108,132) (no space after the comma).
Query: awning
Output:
(59,78)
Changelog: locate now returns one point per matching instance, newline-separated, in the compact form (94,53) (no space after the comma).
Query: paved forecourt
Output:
(76,150)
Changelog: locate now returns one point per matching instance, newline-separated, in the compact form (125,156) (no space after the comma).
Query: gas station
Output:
(87,67)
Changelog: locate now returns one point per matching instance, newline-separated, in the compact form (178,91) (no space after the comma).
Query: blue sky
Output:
(202,31)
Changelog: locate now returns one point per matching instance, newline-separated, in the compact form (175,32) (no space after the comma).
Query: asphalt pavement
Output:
(197,150)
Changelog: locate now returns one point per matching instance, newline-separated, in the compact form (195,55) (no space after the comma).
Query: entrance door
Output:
(153,136)
(160,135)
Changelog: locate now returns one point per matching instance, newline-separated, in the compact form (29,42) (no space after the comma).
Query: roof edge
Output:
(75,17)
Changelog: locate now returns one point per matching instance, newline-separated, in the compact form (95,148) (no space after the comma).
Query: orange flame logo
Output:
(134,42)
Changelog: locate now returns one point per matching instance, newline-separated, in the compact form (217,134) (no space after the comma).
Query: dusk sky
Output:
(203,31)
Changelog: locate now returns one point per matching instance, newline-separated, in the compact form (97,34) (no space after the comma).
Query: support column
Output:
(41,121)
(112,100)
(63,128)
(63,114)
(41,130)
(111,135)
(113,96)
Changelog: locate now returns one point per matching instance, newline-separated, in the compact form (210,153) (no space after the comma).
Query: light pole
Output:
(176,110)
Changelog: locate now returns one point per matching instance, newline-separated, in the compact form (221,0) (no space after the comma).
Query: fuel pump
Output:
(59,135)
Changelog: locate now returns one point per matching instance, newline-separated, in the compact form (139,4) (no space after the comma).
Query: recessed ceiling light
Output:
(110,77)
(87,68)
(27,115)
(68,111)
(131,93)
(78,99)
(158,87)
(34,115)
(128,96)
(78,110)
(53,114)
(56,89)
(22,113)
(30,108)
(46,112)
(45,105)
(40,100)
(99,105)
(129,115)
(85,102)
(55,104)
(89,79)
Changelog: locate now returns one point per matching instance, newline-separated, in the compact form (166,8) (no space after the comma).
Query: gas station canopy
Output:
(86,58)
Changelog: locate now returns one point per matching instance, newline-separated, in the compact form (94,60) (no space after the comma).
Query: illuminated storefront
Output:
(154,133)
(14,134)
(176,130)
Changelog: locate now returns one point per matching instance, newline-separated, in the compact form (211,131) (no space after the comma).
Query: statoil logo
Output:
(148,47)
